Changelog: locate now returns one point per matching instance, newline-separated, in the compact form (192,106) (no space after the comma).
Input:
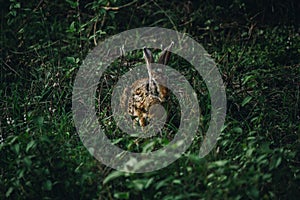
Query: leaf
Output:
(27,161)
(275,162)
(9,191)
(48,185)
(77,170)
(44,138)
(247,78)
(253,192)
(72,28)
(117,141)
(221,163)
(249,152)
(237,130)
(138,184)
(177,181)
(70,59)
(30,145)
(112,176)
(73,4)
(149,147)
(20,173)
(246,100)
(149,182)
(163,183)
(16,148)
(39,121)
(121,195)
(12,139)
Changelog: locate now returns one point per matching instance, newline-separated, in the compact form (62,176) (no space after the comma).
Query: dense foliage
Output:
(256,45)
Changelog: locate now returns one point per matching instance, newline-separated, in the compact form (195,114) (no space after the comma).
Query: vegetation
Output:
(256,46)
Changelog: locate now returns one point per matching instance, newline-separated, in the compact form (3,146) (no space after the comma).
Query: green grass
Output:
(256,48)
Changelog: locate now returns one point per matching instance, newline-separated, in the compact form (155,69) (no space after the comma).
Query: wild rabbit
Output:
(147,92)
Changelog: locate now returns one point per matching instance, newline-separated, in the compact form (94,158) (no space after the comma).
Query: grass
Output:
(256,48)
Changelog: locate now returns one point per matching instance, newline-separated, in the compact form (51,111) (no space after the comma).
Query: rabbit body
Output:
(147,92)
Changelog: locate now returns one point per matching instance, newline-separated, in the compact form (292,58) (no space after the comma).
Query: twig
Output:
(94,32)
(39,4)
(119,7)
(79,22)
(11,68)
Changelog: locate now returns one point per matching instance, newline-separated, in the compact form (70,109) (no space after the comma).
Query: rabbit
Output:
(146,92)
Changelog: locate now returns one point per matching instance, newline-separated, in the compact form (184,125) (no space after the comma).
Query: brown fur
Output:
(146,92)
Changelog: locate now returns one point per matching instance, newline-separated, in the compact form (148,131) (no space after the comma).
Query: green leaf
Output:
(70,59)
(247,78)
(44,138)
(249,152)
(217,164)
(246,100)
(148,183)
(113,175)
(73,4)
(275,162)
(27,161)
(39,121)
(163,183)
(20,173)
(116,141)
(149,147)
(72,28)
(48,185)
(12,139)
(9,191)
(253,192)
(138,184)
(121,195)
(17,5)
(30,145)
(177,181)
(16,148)
(237,130)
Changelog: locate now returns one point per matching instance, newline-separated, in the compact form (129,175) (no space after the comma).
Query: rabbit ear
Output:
(148,56)
(165,55)
(149,59)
